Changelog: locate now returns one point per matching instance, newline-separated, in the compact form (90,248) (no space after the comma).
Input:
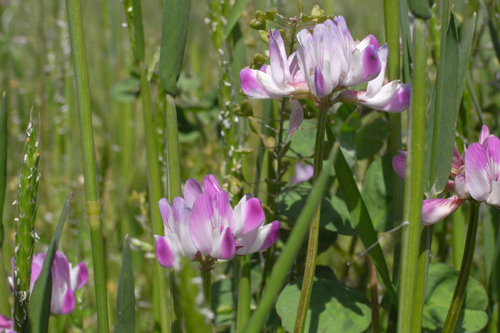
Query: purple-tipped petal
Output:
(306,57)
(182,214)
(296,118)
(493,154)
(476,172)
(164,252)
(210,185)
(434,210)
(278,59)
(393,97)
(259,85)
(365,66)
(79,276)
(6,324)
(224,213)
(224,247)
(399,165)
(460,187)
(272,236)
(303,172)
(200,224)
(63,301)
(319,83)
(252,216)
(192,190)
(485,134)
(293,65)
(375,85)
(166,215)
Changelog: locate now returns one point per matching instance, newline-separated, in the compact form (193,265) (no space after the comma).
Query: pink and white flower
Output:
(282,78)
(392,97)
(250,232)
(303,172)
(6,324)
(66,279)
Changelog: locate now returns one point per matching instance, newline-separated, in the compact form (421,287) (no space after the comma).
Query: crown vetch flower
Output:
(249,230)
(66,279)
(177,240)
(392,97)
(282,78)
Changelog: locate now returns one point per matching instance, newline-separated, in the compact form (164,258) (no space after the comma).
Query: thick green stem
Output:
(463,277)
(244,294)
(155,194)
(414,186)
(312,245)
(89,164)
(207,286)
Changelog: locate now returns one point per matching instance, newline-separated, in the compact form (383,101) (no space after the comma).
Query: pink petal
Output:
(200,224)
(224,217)
(320,85)
(272,236)
(164,252)
(399,165)
(376,84)
(36,267)
(493,153)
(460,187)
(79,276)
(192,190)
(6,323)
(182,214)
(485,134)
(259,85)
(306,57)
(63,302)
(226,246)
(393,97)
(293,65)
(166,215)
(250,215)
(434,210)
(210,185)
(457,163)
(60,271)
(303,172)
(365,66)
(296,118)
(278,59)
(258,240)
(476,172)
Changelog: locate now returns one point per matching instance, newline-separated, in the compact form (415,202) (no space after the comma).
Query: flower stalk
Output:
(312,245)
(244,294)
(463,277)
(93,205)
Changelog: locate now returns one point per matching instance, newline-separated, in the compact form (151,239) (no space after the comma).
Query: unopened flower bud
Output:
(270,15)
(305,18)
(257,24)
(264,36)
(258,60)
(317,11)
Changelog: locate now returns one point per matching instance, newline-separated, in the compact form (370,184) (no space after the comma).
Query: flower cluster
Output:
(66,279)
(475,175)
(327,61)
(203,223)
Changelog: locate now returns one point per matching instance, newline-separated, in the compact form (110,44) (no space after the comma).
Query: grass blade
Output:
(173,41)
(125,301)
(37,320)
(234,16)
(3,161)
(464,57)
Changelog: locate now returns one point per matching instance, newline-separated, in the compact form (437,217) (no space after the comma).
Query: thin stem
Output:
(463,277)
(244,294)
(207,286)
(93,205)
(155,194)
(414,186)
(312,245)
(374,297)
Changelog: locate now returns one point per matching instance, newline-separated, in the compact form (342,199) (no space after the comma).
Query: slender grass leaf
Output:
(421,8)
(442,114)
(361,218)
(37,320)
(125,300)
(3,161)
(173,42)
(234,16)
(138,30)
(492,29)
(465,51)
(407,40)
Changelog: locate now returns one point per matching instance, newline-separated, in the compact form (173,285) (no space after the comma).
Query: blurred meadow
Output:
(36,72)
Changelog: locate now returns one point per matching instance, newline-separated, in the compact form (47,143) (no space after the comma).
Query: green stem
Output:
(290,251)
(244,294)
(463,277)
(93,205)
(414,186)
(312,245)
(207,286)
(155,194)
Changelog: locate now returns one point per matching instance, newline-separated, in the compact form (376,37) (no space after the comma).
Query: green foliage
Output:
(3,162)
(125,300)
(334,307)
(234,16)
(441,282)
(37,320)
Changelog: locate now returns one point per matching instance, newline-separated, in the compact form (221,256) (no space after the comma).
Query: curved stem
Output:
(463,277)
(312,245)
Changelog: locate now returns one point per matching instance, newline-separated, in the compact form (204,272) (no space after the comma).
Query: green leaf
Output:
(421,8)
(125,299)
(361,218)
(442,115)
(334,214)
(303,140)
(378,193)
(37,320)
(333,308)
(173,42)
(492,29)
(223,303)
(126,90)
(3,161)
(138,30)
(234,16)
(465,51)
(371,138)
(441,283)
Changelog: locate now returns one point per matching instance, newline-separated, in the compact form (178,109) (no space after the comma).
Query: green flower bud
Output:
(264,36)
(257,24)
(317,11)
(305,18)
(258,61)
(270,15)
